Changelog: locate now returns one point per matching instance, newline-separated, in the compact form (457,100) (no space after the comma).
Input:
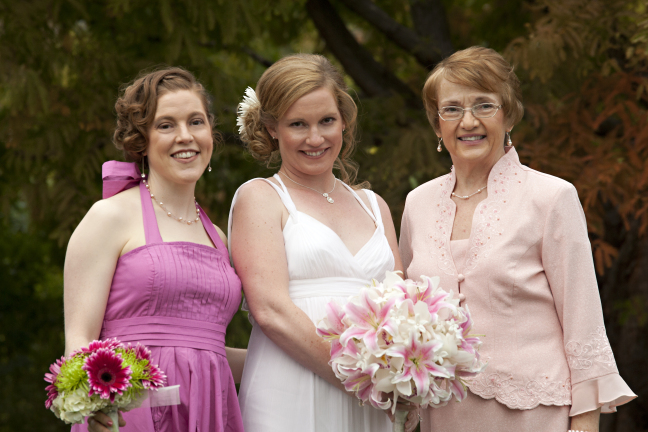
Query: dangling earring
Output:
(439,146)
(209,167)
(143,175)
(508,135)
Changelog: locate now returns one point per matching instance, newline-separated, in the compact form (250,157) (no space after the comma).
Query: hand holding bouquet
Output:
(410,339)
(107,376)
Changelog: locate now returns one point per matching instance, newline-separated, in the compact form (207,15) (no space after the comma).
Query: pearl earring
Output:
(209,167)
(508,135)
(439,148)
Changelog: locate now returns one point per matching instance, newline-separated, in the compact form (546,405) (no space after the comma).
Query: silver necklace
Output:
(171,215)
(468,196)
(324,194)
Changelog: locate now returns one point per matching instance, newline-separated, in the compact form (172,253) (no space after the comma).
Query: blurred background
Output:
(583,64)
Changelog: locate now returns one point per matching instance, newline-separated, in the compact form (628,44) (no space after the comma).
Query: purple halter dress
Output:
(177,298)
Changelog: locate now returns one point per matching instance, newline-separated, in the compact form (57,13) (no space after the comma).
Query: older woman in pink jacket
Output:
(513,242)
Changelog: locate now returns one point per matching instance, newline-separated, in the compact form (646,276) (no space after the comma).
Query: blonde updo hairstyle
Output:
(278,88)
(480,68)
(137,105)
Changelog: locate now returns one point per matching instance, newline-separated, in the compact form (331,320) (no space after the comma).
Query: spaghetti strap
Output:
(371,214)
(211,231)
(151,230)
(371,195)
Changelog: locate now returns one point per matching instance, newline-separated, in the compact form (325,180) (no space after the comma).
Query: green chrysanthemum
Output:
(72,376)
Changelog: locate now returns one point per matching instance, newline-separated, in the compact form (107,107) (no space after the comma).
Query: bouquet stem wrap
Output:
(113,413)
(399,420)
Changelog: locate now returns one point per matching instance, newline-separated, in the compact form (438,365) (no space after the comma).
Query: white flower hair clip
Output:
(250,100)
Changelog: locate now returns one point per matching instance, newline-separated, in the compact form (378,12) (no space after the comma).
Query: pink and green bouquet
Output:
(106,376)
(409,340)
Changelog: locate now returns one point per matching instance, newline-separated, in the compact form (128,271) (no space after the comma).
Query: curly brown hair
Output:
(279,87)
(137,105)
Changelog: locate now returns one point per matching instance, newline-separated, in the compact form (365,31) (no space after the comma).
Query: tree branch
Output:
(426,50)
(372,77)
(431,24)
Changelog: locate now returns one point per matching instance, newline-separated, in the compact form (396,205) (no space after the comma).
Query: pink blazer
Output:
(529,283)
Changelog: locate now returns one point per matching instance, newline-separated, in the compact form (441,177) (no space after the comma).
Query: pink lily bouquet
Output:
(410,339)
(106,376)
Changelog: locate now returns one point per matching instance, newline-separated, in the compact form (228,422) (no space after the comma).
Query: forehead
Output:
(315,102)
(178,102)
(450,92)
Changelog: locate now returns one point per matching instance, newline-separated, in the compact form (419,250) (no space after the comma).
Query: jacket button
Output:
(461,278)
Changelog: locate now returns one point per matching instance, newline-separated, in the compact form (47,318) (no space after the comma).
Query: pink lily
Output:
(369,319)
(332,327)
(419,363)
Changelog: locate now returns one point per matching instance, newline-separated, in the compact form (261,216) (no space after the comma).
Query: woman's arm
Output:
(260,260)
(236,360)
(90,262)
(588,421)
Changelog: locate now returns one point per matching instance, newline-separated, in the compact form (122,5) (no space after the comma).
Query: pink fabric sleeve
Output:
(606,392)
(405,241)
(569,268)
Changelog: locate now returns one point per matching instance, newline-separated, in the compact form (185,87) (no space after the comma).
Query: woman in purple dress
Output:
(147,265)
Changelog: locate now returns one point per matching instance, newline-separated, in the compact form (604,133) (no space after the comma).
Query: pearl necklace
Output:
(324,194)
(171,215)
(468,196)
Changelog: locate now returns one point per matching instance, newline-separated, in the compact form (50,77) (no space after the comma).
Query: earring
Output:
(508,135)
(439,146)
(143,175)
(209,167)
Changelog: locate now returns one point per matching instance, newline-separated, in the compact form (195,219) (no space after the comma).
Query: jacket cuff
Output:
(606,392)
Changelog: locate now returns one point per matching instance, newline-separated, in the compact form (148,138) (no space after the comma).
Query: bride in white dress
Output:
(299,240)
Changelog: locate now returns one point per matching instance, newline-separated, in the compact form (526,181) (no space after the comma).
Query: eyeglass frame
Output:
(472,110)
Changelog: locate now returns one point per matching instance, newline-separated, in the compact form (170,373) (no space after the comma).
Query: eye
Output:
(197,122)
(450,110)
(297,124)
(165,126)
(485,106)
(328,120)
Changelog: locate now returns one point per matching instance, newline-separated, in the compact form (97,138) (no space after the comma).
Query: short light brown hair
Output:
(279,87)
(137,105)
(480,68)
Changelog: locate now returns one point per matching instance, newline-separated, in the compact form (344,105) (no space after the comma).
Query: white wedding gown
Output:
(277,393)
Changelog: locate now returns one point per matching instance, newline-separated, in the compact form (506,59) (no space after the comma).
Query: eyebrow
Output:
(168,117)
(478,100)
(296,119)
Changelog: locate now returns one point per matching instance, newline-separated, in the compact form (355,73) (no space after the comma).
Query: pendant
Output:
(328,198)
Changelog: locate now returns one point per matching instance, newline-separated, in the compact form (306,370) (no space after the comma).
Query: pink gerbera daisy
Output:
(106,374)
(156,377)
(52,391)
(142,352)
(96,345)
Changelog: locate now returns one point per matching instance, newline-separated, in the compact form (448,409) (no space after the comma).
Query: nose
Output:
(315,137)
(469,121)
(183,134)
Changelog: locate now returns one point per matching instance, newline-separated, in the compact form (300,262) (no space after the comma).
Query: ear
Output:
(272,131)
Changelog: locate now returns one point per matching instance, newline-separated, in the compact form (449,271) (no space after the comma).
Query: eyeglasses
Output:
(484,110)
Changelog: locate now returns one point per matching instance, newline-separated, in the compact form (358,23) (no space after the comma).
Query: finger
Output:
(122,422)
(102,419)
(95,426)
